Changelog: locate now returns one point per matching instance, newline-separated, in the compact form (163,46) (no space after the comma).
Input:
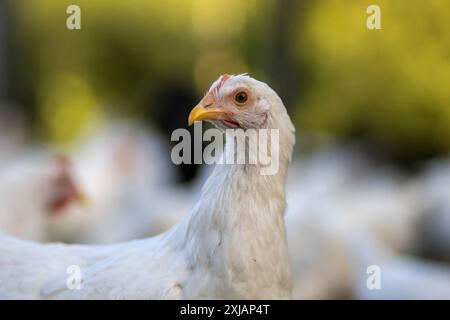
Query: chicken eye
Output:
(241,97)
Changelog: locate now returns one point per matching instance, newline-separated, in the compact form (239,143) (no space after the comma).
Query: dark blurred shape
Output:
(17,92)
(279,58)
(3,47)
(434,235)
(169,111)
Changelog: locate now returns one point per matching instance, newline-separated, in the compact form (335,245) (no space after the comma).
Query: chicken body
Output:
(124,172)
(232,245)
(32,192)
(230,251)
(22,206)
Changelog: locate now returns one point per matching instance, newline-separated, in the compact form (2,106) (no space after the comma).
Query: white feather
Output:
(232,245)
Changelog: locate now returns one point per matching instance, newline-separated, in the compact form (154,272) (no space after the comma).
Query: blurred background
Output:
(90,112)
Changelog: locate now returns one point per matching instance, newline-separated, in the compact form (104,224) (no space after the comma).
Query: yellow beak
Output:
(200,113)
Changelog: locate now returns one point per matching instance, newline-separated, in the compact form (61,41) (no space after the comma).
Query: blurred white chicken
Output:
(232,245)
(399,277)
(331,195)
(118,167)
(127,186)
(34,191)
(125,173)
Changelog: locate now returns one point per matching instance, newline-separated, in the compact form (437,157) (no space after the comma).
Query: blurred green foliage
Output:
(124,52)
(388,87)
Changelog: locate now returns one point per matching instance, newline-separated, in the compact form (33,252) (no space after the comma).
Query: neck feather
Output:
(238,227)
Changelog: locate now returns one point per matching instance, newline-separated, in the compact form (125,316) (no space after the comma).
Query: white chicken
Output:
(33,193)
(399,277)
(121,169)
(334,194)
(232,245)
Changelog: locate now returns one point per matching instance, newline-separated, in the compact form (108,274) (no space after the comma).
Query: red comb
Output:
(223,78)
